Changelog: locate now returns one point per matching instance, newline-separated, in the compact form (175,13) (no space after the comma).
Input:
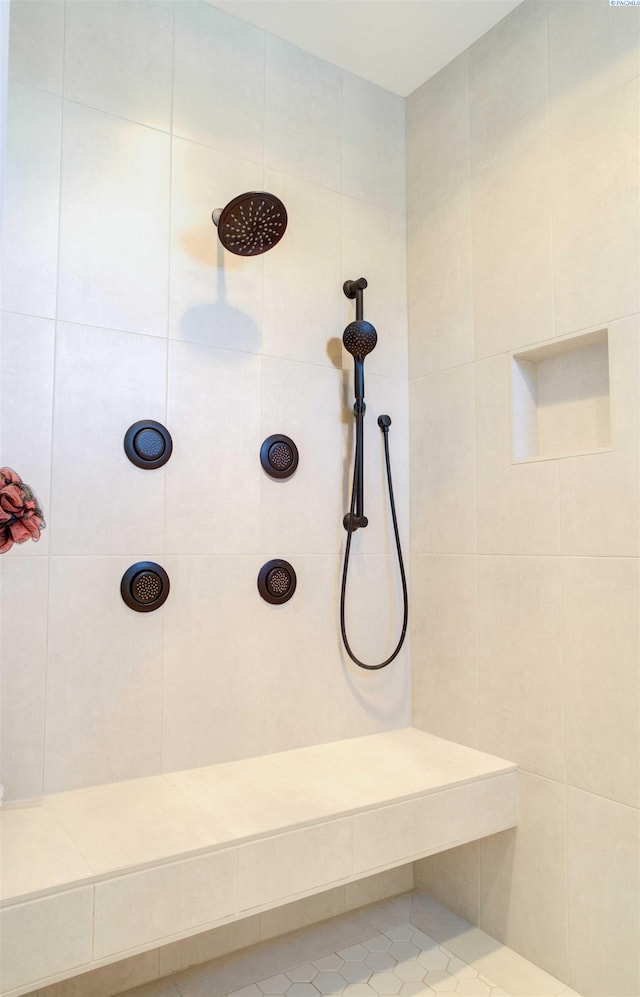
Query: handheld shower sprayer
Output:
(359,340)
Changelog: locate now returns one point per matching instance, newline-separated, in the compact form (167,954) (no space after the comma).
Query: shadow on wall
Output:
(199,244)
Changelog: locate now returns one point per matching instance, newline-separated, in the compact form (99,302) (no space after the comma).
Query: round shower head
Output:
(251,223)
(360,338)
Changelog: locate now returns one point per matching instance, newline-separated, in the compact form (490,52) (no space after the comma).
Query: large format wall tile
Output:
(523,878)
(103,677)
(508,85)
(303,298)
(444,670)
(31,189)
(373,143)
(438,133)
(512,276)
(28,941)
(443,463)
(101,502)
(213,477)
(36,51)
(215,296)
(601,653)
(303,514)
(595,177)
(219,81)
(374,246)
(518,503)
(303,105)
(520,662)
(24,583)
(26,400)
(440,283)
(118,58)
(600,493)
(592,51)
(604,895)
(114,223)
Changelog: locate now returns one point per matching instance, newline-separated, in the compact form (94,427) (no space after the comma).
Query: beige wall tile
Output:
(438,133)
(31,197)
(215,297)
(392,834)
(300,913)
(374,246)
(452,878)
(604,891)
(443,463)
(595,171)
(508,85)
(379,886)
(518,504)
(601,653)
(26,402)
(591,53)
(114,379)
(520,662)
(523,897)
(36,853)
(302,275)
(108,980)
(101,646)
(440,282)
(204,388)
(444,669)
(45,937)
(512,274)
(176,898)
(303,103)
(208,945)
(115,182)
(37,44)
(373,143)
(600,493)
(23,678)
(209,47)
(289,864)
(118,57)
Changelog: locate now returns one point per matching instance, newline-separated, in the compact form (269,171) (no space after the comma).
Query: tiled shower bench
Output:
(96,875)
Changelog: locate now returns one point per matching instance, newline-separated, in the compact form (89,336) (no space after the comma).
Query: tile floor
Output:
(386,950)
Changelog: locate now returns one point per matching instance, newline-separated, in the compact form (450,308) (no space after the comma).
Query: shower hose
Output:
(345,569)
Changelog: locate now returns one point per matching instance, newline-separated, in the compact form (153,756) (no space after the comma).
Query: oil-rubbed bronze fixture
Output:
(145,586)
(251,223)
(279,456)
(276,581)
(148,444)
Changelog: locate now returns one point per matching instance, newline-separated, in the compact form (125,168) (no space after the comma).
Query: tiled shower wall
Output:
(128,123)
(523,226)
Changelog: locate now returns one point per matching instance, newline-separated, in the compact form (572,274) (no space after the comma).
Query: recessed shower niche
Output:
(560,398)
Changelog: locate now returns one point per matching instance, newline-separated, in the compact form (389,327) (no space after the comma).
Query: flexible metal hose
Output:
(387,661)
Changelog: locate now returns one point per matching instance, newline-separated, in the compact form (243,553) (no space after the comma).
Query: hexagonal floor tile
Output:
(403,949)
(473,988)
(329,983)
(379,943)
(433,959)
(403,932)
(422,940)
(460,969)
(302,974)
(359,990)
(328,963)
(355,953)
(275,984)
(302,990)
(441,982)
(415,989)
(355,972)
(410,971)
(379,962)
(385,983)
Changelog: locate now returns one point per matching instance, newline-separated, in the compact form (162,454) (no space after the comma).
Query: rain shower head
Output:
(359,338)
(251,223)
